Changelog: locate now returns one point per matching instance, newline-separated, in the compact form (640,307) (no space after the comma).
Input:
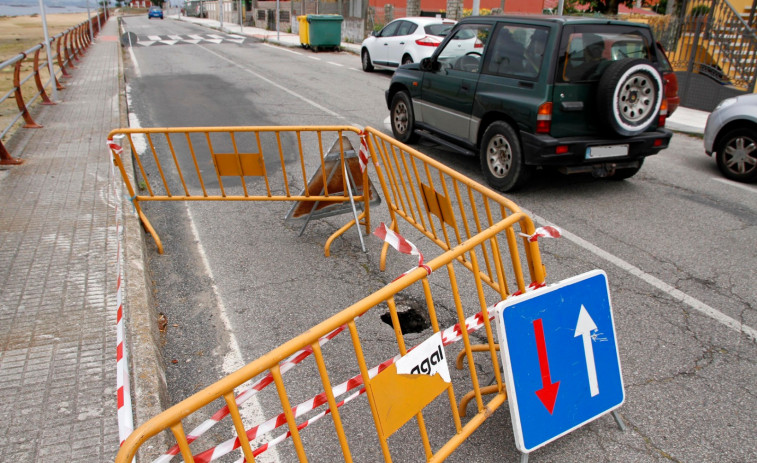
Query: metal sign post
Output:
(561,359)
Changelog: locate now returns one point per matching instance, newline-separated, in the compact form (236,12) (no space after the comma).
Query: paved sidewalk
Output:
(58,276)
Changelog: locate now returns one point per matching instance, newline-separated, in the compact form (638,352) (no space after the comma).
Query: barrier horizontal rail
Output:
(66,47)
(475,252)
(245,164)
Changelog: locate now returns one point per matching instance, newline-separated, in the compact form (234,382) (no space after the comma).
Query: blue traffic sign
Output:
(562,368)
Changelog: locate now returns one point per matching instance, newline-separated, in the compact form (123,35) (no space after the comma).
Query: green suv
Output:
(577,94)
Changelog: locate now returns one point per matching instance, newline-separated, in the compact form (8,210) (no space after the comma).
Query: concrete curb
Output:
(149,389)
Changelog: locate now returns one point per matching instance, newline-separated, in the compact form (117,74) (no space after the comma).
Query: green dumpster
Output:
(304,37)
(324,30)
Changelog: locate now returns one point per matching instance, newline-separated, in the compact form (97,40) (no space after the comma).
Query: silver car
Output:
(731,136)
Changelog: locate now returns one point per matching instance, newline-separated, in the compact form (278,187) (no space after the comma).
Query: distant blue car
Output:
(155,12)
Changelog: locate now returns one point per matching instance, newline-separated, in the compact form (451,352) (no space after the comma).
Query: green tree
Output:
(611,6)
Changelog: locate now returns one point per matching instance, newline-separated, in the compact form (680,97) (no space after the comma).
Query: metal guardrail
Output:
(68,46)
(476,257)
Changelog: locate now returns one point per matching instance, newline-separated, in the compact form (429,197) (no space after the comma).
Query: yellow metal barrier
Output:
(474,258)
(242,164)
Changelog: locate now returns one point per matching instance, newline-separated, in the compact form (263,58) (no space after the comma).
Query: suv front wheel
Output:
(501,158)
(403,119)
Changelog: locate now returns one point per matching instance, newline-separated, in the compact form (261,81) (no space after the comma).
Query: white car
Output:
(731,136)
(402,41)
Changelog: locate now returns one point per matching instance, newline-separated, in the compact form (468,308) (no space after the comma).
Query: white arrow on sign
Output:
(584,327)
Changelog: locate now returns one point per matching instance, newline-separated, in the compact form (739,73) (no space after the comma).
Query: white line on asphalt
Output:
(281,87)
(656,282)
(314,58)
(286,49)
(233,360)
(736,184)
(137,72)
(335,64)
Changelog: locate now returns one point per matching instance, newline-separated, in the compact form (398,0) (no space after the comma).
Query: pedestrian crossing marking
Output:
(183,39)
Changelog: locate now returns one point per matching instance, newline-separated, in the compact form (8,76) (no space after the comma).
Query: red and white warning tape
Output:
(547,231)
(402,245)
(449,336)
(363,154)
(125,417)
(244,396)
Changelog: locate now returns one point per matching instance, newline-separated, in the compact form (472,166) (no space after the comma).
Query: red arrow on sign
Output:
(548,393)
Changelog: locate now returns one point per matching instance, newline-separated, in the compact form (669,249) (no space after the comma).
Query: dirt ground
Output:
(18,34)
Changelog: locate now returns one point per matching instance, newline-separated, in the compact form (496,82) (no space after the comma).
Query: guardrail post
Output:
(38,80)
(30,124)
(68,48)
(6,159)
(61,62)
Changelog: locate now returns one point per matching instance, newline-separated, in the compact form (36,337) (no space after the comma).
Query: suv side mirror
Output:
(430,64)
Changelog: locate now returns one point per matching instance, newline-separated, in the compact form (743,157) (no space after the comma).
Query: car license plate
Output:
(610,151)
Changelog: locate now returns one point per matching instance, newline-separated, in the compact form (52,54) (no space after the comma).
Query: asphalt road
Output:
(677,242)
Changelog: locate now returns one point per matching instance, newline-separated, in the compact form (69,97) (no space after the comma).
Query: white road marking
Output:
(251,410)
(280,87)
(656,282)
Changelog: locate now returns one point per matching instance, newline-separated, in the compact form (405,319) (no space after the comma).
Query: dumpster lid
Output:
(325,17)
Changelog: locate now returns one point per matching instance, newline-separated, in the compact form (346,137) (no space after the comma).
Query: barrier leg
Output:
(148,227)
(340,232)
(6,159)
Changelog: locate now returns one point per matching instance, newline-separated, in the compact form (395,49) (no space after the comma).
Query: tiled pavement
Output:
(57,274)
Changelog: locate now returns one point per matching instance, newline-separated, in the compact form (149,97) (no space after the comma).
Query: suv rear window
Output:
(588,53)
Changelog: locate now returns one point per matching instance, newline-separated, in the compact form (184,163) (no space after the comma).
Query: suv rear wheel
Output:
(629,96)
(501,158)
(403,119)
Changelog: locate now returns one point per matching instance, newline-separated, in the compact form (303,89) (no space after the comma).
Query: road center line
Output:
(656,282)
(280,87)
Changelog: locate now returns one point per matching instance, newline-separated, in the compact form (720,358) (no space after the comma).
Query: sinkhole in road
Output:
(411,315)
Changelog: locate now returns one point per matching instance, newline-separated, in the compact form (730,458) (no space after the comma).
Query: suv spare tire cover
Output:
(629,96)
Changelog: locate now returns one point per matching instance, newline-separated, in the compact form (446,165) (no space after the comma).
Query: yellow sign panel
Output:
(247,164)
(437,204)
(398,398)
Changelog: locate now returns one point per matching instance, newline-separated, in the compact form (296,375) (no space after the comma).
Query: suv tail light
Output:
(663,113)
(544,118)
(428,41)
